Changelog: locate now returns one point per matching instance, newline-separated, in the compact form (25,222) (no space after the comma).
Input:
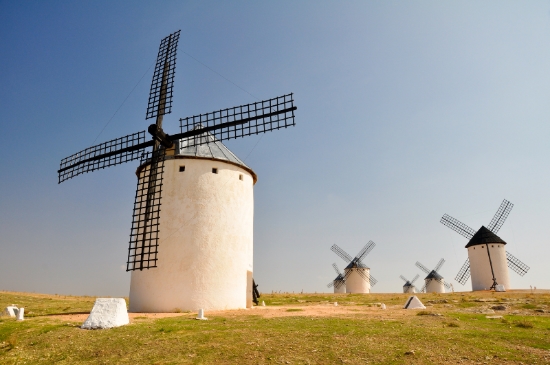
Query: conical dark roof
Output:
(484,236)
(355,264)
(209,148)
(434,275)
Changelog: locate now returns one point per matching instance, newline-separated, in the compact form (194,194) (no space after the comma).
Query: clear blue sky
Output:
(406,111)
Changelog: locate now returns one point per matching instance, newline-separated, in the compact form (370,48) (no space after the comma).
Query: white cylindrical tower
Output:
(434,286)
(205,241)
(409,288)
(357,283)
(339,287)
(482,245)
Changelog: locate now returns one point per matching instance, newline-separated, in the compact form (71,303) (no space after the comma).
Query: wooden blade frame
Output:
(515,264)
(160,95)
(457,226)
(500,216)
(464,273)
(114,152)
(144,237)
(439,264)
(343,254)
(240,121)
(423,268)
(365,251)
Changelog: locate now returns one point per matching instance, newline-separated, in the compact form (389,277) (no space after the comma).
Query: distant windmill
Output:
(200,249)
(409,284)
(339,283)
(433,283)
(357,275)
(488,260)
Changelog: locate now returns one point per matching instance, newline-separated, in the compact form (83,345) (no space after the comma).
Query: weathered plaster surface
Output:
(435,286)
(480,269)
(355,283)
(206,238)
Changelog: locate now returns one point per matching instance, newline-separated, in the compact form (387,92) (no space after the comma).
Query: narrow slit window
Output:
(182,168)
(240,177)
(214,170)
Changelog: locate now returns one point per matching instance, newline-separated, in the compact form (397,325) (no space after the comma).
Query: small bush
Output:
(452,324)
(12,342)
(524,324)
(294,310)
(423,313)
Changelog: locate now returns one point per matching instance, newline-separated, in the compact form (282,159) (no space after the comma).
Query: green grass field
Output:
(291,329)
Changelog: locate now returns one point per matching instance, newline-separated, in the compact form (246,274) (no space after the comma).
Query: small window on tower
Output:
(240,176)
(214,170)
(182,168)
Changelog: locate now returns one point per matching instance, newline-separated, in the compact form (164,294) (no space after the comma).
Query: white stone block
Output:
(21,314)
(414,303)
(201,315)
(500,287)
(383,306)
(10,311)
(107,313)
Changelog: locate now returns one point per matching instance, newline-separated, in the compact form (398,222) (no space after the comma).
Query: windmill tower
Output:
(409,285)
(357,275)
(339,283)
(433,283)
(488,260)
(198,252)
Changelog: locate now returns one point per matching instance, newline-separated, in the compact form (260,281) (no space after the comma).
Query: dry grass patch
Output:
(300,329)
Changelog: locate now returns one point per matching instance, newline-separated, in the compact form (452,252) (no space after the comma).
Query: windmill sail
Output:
(457,226)
(500,216)
(515,264)
(243,120)
(464,273)
(144,237)
(160,95)
(111,153)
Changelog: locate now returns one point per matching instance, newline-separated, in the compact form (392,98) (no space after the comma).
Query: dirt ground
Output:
(319,310)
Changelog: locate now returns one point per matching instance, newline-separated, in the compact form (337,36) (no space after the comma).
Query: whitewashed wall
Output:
(206,239)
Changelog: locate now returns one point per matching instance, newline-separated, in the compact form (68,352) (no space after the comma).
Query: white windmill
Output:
(197,253)
(339,282)
(357,275)
(434,282)
(409,284)
(488,260)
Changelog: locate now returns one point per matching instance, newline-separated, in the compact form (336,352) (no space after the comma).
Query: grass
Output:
(364,335)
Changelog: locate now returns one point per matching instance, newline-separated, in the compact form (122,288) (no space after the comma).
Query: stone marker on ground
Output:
(336,304)
(21,314)
(383,306)
(107,313)
(414,303)
(263,303)
(500,287)
(201,315)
